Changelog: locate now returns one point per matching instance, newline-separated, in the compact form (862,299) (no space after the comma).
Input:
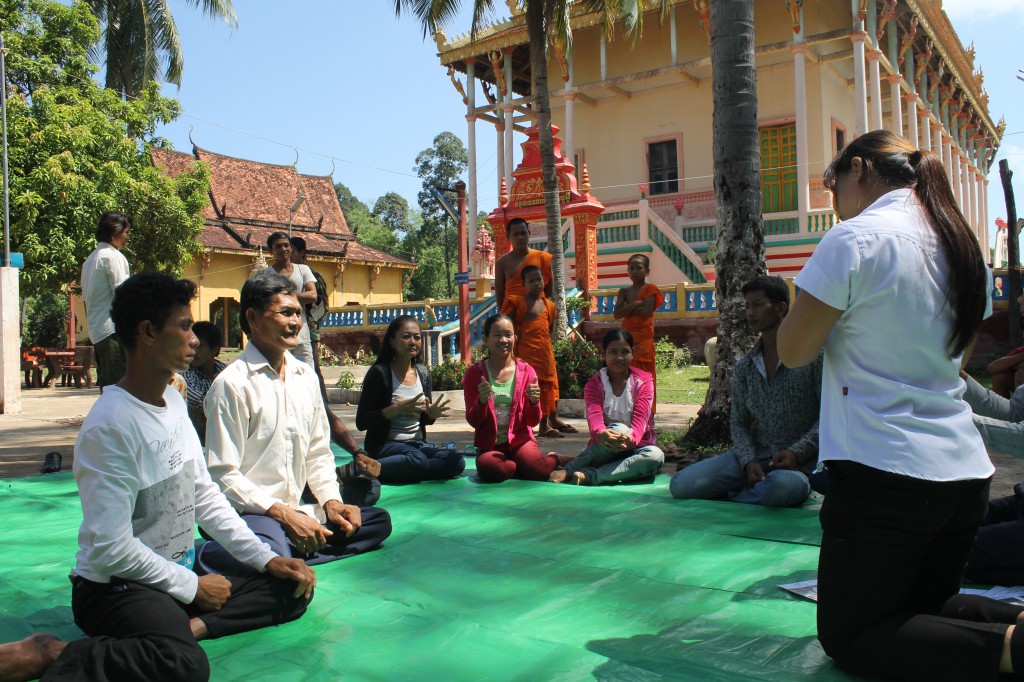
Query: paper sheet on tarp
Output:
(516,581)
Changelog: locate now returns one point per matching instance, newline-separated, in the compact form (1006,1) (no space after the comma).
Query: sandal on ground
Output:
(567,428)
(551,433)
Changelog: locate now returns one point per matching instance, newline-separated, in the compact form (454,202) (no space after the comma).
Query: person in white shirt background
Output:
(103,271)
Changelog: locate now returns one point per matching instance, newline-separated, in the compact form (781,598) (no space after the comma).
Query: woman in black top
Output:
(396,406)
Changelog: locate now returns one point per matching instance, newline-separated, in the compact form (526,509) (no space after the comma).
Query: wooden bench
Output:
(79,369)
(32,364)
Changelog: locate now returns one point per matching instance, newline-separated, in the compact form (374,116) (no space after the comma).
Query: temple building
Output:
(249,201)
(637,117)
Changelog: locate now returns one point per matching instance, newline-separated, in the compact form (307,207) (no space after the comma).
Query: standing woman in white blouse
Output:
(895,293)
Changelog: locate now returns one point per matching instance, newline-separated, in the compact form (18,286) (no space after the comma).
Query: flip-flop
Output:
(551,433)
(568,428)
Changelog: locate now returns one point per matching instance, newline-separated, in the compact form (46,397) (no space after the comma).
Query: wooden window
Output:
(663,167)
(838,137)
(778,168)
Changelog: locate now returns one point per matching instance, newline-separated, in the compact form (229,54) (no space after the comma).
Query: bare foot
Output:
(368,464)
(29,658)
(557,477)
(199,629)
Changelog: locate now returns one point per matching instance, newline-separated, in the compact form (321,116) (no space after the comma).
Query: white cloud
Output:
(961,9)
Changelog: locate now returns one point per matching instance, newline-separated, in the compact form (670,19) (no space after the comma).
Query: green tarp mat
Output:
(516,581)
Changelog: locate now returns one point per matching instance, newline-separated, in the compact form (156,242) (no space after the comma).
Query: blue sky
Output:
(347,80)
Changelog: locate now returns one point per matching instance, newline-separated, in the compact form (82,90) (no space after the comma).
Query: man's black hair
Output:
(111,223)
(529,269)
(209,333)
(298,244)
(259,290)
(515,221)
(277,236)
(147,296)
(773,287)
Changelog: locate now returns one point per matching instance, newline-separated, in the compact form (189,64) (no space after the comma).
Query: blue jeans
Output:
(723,476)
(602,466)
(414,461)
(212,557)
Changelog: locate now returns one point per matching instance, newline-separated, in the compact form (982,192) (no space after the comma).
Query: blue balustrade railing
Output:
(701,300)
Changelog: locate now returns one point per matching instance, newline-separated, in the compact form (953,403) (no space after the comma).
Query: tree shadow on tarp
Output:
(709,652)
(57,620)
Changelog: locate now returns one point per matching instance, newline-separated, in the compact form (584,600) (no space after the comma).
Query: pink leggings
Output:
(525,462)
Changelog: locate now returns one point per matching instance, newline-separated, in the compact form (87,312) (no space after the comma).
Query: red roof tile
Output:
(251,200)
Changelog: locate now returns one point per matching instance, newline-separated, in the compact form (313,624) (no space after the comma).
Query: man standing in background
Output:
(103,271)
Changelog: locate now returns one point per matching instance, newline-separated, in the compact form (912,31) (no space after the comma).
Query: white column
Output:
(10,341)
(937,144)
(672,39)
(965,190)
(946,143)
(860,93)
(800,107)
(912,120)
(897,103)
(509,120)
(570,111)
(499,129)
(972,187)
(875,112)
(471,189)
(926,136)
(954,172)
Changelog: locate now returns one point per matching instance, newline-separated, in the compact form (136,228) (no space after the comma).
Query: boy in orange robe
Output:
(635,306)
(534,318)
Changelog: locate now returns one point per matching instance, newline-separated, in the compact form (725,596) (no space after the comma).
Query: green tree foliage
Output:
(77,150)
(393,211)
(46,320)
(141,41)
(435,241)
(349,202)
(368,227)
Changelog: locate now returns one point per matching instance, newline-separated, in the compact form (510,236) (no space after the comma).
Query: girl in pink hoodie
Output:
(503,405)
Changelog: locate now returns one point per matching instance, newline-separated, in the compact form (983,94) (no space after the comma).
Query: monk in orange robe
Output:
(534,319)
(508,269)
(635,306)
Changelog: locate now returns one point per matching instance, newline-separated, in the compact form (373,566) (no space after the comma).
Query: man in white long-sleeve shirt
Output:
(143,485)
(267,438)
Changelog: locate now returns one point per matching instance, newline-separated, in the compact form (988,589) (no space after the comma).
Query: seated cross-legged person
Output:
(143,485)
(618,404)
(774,419)
(502,405)
(397,405)
(268,440)
(998,553)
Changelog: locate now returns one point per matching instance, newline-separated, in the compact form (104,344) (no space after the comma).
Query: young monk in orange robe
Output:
(635,306)
(534,318)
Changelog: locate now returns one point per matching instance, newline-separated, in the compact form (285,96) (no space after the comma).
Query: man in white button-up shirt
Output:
(267,438)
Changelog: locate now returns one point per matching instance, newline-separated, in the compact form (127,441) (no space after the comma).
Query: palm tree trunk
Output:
(538,19)
(737,159)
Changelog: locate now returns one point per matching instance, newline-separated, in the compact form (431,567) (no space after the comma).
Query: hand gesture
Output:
(294,569)
(533,392)
(614,441)
(304,532)
(485,390)
(438,409)
(367,464)
(345,516)
(211,593)
(784,459)
(410,407)
(754,473)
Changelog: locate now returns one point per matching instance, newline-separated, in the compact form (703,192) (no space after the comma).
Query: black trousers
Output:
(893,551)
(139,633)
(998,554)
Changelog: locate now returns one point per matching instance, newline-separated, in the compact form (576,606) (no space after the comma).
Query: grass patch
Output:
(684,385)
